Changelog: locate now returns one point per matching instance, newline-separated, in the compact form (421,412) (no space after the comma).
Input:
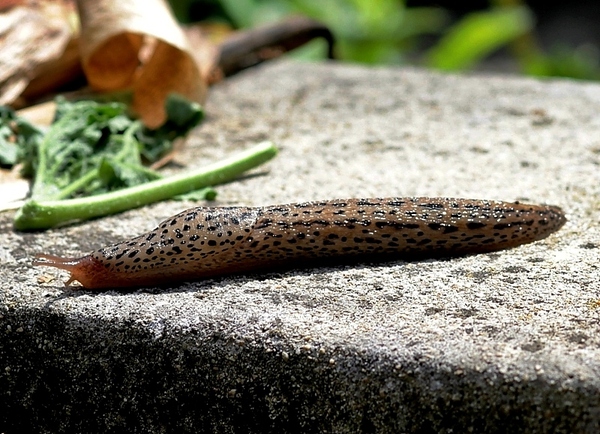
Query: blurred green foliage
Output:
(477,35)
(389,32)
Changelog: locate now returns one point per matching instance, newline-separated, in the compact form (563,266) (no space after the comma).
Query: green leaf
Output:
(9,153)
(478,35)
(115,174)
(182,116)
(422,20)
(206,193)
(253,13)
(17,137)
(580,63)
(96,147)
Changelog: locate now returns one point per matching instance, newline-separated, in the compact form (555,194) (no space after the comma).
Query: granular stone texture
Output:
(502,342)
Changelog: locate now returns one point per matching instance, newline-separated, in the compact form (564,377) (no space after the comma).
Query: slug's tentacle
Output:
(86,270)
(203,242)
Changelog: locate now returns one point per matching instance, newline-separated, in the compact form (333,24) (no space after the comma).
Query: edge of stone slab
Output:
(75,374)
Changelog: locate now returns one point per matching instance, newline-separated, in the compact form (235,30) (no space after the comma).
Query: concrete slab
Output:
(504,342)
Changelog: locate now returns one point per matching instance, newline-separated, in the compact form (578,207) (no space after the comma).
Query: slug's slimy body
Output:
(203,242)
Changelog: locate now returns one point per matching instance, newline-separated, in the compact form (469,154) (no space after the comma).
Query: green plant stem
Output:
(77,185)
(45,214)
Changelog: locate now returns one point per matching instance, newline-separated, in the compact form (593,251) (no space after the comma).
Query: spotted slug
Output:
(210,241)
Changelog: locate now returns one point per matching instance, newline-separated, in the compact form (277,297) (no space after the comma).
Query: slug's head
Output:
(87,270)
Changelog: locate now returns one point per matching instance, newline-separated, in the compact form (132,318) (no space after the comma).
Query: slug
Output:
(210,241)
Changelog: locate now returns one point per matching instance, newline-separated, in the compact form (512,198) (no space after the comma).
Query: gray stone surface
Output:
(504,342)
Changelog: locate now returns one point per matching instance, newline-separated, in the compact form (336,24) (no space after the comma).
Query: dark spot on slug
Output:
(432,205)
(366,202)
(475,225)
(396,203)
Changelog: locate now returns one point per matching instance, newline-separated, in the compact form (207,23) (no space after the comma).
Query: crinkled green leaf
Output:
(89,137)
(182,116)
(17,137)
(115,174)
(8,151)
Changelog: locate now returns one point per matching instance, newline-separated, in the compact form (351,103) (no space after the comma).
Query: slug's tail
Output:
(80,268)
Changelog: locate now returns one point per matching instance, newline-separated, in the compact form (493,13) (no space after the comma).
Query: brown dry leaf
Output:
(204,40)
(137,44)
(30,39)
